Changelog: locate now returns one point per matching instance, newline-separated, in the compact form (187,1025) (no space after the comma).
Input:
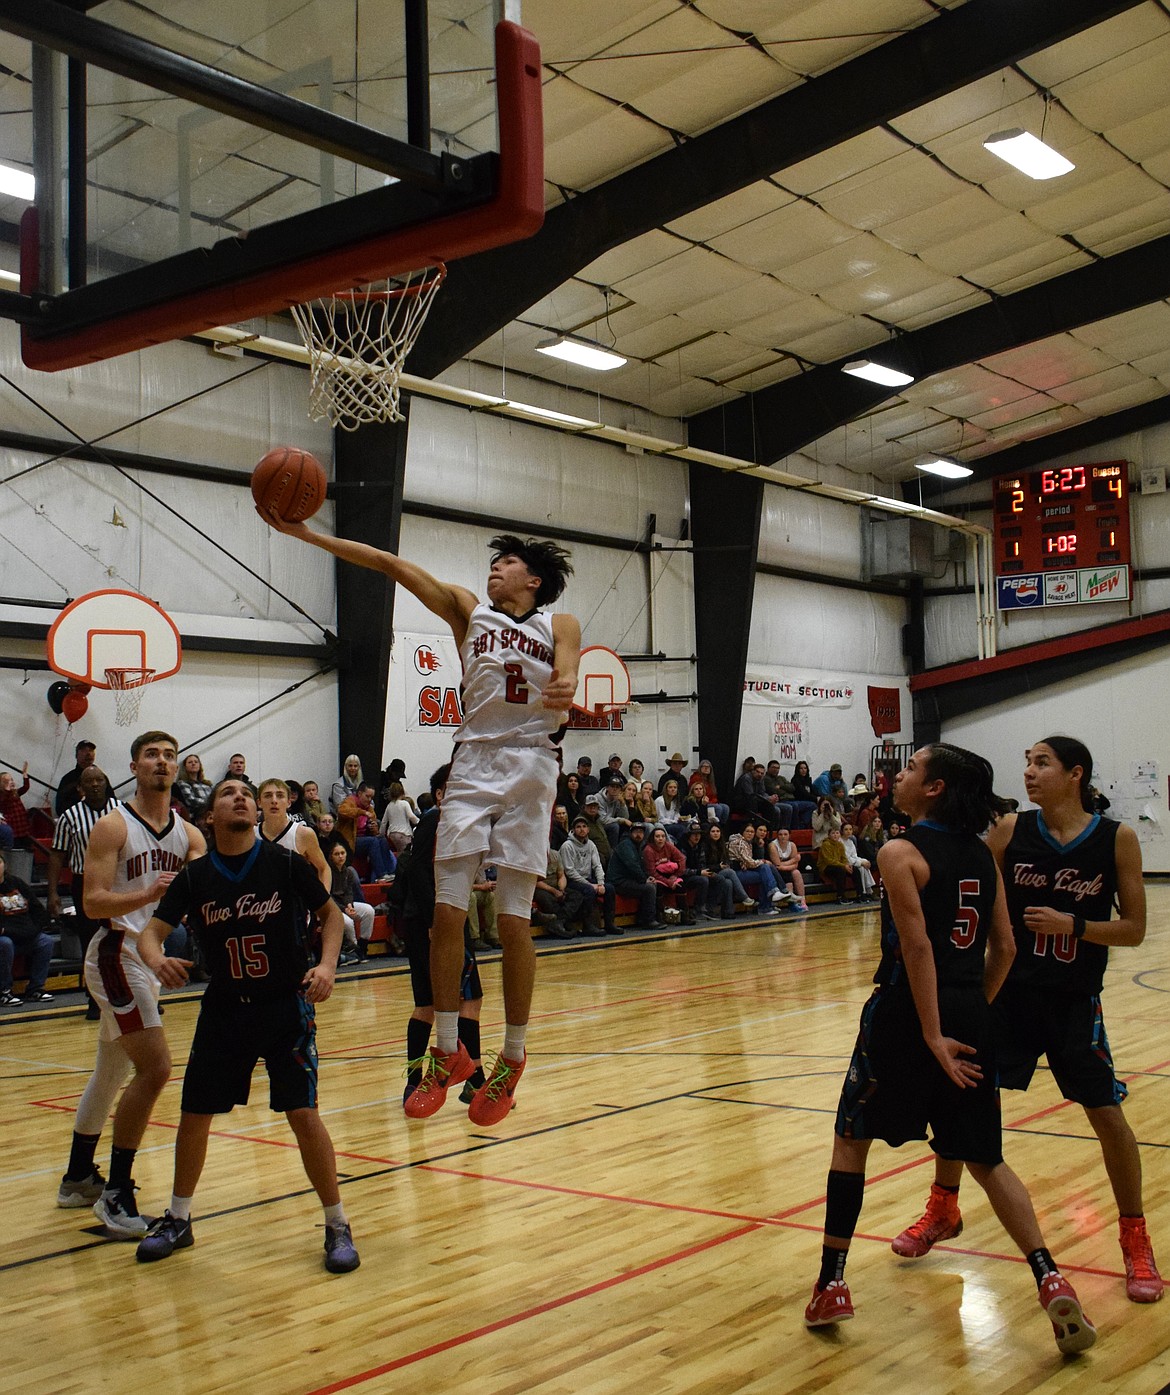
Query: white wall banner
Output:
(432,674)
(765,687)
(790,735)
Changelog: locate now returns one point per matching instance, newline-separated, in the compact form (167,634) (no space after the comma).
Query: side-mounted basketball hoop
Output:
(117,640)
(357,342)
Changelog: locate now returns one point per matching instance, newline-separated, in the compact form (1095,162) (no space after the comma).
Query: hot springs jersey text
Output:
(144,855)
(507,664)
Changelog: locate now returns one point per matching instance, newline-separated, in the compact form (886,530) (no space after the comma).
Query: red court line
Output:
(348,1382)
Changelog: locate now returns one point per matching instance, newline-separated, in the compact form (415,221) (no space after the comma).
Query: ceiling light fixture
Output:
(877,373)
(946,469)
(17,183)
(581,352)
(1028,153)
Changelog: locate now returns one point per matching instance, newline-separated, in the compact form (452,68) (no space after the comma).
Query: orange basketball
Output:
(290,483)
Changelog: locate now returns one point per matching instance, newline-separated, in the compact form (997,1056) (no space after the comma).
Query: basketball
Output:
(290,483)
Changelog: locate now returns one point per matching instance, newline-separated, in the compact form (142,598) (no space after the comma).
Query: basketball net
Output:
(358,341)
(127,684)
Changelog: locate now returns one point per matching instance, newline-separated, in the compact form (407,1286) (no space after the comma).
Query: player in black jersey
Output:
(1063,865)
(925,1054)
(247,904)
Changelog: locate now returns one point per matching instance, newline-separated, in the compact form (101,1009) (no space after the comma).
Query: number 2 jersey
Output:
(507,663)
(957,905)
(1079,879)
(249,917)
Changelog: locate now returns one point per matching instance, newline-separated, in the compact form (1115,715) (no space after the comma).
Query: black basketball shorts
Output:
(232,1036)
(1069,1029)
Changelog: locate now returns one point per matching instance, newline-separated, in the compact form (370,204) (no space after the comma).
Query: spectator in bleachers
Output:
(833,863)
(826,779)
(896,829)
(586,878)
(665,866)
(869,838)
(314,804)
(328,836)
(720,860)
(560,829)
(706,772)
(346,784)
(591,813)
(646,805)
(669,811)
(749,797)
(548,897)
(6,836)
(698,807)
(193,787)
(637,771)
(85,754)
(802,783)
(614,767)
(675,766)
(588,782)
(862,869)
(70,840)
(615,812)
(825,820)
(346,890)
(754,872)
(394,774)
(23,922)
(358,825)
(780,788)
(626,875)
(296,800)
(237,770)
(398,818)
(784,856)
(569,794)
(481,909)
(12,807)
(713,893)
(762,848)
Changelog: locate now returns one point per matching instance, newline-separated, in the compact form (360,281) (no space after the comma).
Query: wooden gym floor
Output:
(647,1220)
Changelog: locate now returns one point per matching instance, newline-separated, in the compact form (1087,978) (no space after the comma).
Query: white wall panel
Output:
(820,536)
(1109,711)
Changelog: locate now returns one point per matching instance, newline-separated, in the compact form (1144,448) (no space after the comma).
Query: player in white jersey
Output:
(519,677)
(133,855)
(277,827)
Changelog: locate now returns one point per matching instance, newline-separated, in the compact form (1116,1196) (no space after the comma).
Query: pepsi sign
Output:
(1019,592)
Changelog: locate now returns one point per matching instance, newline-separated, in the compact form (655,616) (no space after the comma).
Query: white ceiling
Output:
(900,227)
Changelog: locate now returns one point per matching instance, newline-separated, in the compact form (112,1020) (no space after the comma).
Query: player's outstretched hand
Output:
(274,520)
(172,973)
(558,693)
(1043,920)
(950,1053)
(318,983)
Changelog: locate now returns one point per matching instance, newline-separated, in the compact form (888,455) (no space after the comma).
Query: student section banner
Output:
(771,687)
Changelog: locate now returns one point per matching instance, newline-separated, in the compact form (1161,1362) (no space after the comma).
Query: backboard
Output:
(113,630)
(206,163)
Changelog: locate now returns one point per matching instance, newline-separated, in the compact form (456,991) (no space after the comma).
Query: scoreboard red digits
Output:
(1063,517)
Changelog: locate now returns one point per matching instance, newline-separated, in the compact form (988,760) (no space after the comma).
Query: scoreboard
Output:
(1062,535)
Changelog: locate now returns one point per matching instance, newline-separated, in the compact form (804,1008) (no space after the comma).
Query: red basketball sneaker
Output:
(1143,1283)
(829,1304)
(940,1221)
(494,1099)
(1074,1332)
(430,1094)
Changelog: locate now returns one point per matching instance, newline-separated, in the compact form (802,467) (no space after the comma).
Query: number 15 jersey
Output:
(507,663)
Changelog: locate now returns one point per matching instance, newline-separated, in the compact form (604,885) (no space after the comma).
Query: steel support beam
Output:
(485,292)
(725,526)
(370,470)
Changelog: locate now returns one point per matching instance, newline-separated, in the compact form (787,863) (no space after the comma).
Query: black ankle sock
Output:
(81,1155)
(1042,1264)
(122,1167)
(950,1191)
(418,1036)
(469,1036)
(832,1265)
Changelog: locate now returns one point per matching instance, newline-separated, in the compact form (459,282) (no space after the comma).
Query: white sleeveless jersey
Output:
(144,855)
(286,838)
(507,663)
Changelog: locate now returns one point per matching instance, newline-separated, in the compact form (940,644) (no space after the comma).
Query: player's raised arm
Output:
(453,604)
(558,692)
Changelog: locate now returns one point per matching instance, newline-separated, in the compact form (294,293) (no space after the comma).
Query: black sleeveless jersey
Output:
(251,925)
(1079,880)
(957,905)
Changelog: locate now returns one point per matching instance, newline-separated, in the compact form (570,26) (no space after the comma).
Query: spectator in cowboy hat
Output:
(674,771)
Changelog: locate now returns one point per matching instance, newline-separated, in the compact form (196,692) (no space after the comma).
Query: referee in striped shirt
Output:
(70,840)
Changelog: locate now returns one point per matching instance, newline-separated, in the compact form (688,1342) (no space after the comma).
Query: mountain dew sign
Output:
(1103,584)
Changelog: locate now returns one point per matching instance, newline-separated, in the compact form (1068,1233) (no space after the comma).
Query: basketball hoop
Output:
(358,341)
(127,685)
